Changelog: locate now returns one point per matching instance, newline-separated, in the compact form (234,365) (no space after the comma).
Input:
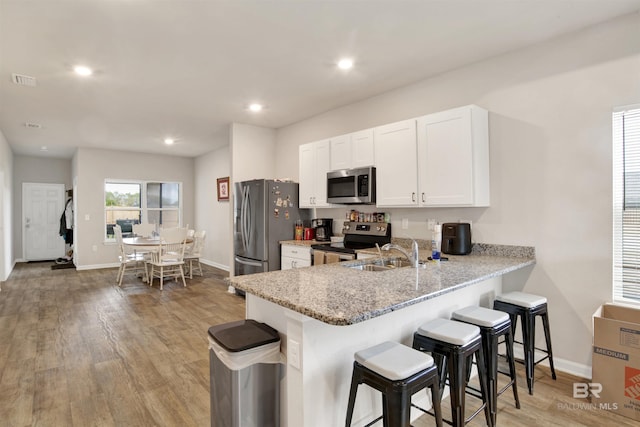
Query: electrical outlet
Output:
(94,248)
(430,224)
(293,353)
(405,223)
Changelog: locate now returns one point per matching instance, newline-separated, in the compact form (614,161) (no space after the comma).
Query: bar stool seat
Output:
(453,345)
(398,372)
(493,324)
(521,299)
(528,307)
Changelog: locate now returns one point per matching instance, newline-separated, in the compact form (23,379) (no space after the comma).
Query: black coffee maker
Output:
(324,228)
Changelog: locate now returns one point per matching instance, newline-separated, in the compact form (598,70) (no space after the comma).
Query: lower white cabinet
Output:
(294,256)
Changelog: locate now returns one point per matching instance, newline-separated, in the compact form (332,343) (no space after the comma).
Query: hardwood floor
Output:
(77,350)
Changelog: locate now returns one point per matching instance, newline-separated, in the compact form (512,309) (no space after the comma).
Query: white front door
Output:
(42,207)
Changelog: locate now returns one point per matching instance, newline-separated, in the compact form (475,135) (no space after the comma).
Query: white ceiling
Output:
(187,68)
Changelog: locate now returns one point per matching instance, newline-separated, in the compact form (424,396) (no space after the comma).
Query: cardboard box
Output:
(616,360)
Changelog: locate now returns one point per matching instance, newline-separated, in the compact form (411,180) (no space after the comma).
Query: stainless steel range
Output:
(357,235)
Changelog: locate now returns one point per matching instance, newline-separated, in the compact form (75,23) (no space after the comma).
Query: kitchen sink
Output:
(382,265)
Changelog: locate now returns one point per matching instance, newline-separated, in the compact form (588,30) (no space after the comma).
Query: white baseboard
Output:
(97,266)
(562,365)
(215,264)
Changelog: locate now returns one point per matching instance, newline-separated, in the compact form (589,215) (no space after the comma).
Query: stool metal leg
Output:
(355,382)
(547,337)
(457,380)
(490,347)
(529,340)
(482,376)
(512,366)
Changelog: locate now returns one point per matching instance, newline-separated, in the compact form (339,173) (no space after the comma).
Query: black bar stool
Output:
(493,324)
(528,306)
(453,345)
(398,372)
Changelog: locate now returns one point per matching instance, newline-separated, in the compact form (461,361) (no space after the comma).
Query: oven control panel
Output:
(367,228)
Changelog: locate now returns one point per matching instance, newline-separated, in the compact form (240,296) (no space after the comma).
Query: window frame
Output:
(144,209)
(620,288)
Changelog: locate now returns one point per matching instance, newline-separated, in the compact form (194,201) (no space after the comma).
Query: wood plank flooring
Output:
(77,350)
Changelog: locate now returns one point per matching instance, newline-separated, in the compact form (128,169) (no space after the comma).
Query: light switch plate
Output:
(293,353)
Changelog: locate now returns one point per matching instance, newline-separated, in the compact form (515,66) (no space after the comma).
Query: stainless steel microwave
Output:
(352,186)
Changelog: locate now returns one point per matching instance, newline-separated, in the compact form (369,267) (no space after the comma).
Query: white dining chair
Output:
(168,260)
(144,230)
(134,260)
(193,252)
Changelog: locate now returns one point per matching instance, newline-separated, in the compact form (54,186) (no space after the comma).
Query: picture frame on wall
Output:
(223,189)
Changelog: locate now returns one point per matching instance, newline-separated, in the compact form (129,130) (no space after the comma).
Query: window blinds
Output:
(626,204)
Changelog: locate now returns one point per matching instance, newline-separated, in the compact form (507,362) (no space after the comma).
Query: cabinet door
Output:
(446,157)
(362,149)
(307,177)
(323,165)
(396,165)
(340,153)
(286,263)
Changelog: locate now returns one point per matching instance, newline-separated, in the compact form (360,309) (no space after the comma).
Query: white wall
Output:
(6,205)
(253,152)
(211,215)
(92,167)
(43,170)
(550,128)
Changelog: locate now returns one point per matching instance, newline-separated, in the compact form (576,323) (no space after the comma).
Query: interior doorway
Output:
(42,207)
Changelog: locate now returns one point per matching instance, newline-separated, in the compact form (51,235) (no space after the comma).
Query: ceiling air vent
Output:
(23,80)
(33,125)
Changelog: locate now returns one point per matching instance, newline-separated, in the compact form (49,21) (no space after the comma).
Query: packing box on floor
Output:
(616,359)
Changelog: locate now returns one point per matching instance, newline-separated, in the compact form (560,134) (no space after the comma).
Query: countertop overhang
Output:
(338,295)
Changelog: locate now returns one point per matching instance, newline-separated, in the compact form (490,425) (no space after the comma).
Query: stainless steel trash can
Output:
(244,361)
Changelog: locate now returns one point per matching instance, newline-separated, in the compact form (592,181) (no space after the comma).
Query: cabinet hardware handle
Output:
(423,200)
(413,197)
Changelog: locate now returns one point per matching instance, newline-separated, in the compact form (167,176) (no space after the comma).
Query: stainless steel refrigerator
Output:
(265,212)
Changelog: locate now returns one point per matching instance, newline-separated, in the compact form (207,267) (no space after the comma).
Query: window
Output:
(626,204)
(129,202)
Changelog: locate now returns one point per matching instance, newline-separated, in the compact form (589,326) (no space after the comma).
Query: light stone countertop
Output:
(302,242)
(337,295)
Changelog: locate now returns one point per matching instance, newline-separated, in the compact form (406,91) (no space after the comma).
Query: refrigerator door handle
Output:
(245,262)
(246,208)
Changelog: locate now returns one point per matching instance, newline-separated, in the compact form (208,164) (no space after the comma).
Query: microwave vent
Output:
(21,79)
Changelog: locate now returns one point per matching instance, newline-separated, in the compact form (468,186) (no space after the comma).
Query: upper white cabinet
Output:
(314,163)
(396,165)
(441,159)
(362,149)
(340,152)
(353,150)
(453,157)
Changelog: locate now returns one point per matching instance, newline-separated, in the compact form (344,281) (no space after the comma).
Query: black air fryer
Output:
(456,238)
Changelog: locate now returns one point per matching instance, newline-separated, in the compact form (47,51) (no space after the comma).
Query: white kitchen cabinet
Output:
(354,150)
(314,163)
(362,149)
(294,256)
(396,164)
(340,152)
(453,157)
(438,160)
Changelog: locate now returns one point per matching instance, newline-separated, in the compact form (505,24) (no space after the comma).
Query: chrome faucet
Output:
(412,257)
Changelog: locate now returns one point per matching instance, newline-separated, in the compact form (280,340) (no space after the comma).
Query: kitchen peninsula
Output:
(326,313)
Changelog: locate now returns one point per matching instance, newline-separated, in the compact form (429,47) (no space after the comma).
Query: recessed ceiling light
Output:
(169,141)
(81,70)
(43,148)
(255,107)
(345,64)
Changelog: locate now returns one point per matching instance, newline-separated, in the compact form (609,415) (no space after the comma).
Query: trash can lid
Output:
(243,335)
